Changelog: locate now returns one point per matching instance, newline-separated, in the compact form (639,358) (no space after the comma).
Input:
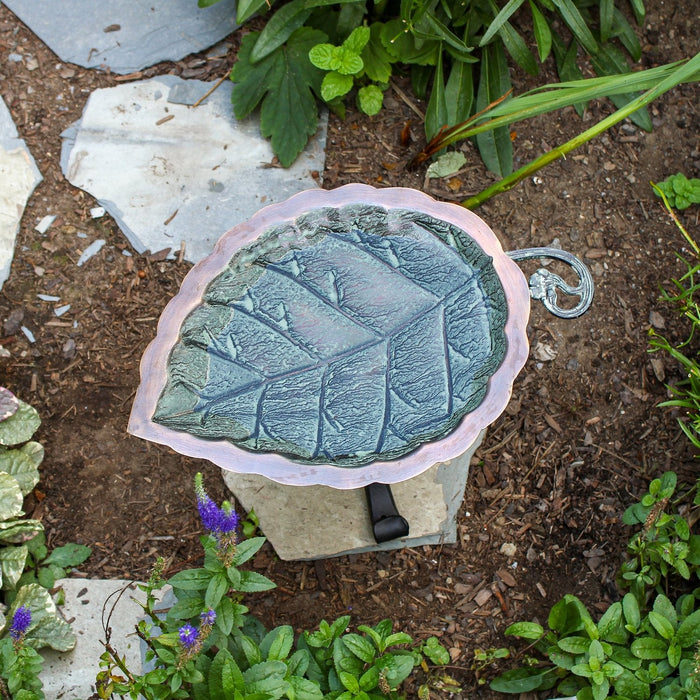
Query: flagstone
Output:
(18,178)
(169,172)
(125,35)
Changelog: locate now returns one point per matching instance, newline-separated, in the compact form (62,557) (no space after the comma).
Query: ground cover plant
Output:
(648,644)
(457,54)
(208,647)
(28,615)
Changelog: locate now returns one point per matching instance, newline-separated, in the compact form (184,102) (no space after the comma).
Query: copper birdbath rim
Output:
(153,366)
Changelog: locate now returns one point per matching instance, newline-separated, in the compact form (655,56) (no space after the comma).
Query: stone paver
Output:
(125,35)
(169,172)
(18,178)
(71,675)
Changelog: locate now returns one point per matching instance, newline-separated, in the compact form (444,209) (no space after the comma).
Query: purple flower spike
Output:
(218,521)
(208,617)
(20,622)
(188,636)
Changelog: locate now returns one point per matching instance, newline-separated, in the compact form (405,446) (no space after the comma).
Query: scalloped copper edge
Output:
(281,469)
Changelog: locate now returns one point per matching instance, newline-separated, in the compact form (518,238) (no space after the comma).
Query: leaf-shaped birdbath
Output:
(339,338)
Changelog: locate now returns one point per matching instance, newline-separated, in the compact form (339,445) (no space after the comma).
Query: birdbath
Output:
(338,343)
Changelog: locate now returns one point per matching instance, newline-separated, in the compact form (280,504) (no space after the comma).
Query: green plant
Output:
(33,621)
(456,51)
(643,646)
(680,192)
(208,647)
(687,392)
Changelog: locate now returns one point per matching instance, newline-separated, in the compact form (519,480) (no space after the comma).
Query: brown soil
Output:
(579,441)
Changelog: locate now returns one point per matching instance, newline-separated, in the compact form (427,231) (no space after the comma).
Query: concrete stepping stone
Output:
(72,674)
(125,35)
(18,178)
(169,172)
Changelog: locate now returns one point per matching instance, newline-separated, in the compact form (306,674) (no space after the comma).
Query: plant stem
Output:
(679,75)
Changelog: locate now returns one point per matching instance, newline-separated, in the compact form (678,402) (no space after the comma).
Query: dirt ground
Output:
(580,439)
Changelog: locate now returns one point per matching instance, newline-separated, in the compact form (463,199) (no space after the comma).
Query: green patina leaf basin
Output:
(342,338)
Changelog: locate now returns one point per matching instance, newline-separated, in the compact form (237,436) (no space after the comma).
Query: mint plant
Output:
(679,191)
(644,646)
(207,647)
(457,54)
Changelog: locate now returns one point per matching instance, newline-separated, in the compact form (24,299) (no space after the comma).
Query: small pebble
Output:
(508,548)
(43,225)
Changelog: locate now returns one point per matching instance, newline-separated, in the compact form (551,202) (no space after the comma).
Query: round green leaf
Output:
(649,648)
(21,467)
(370,99)
(335,85)
(11,497)
(322,56)
(358,39)
(350,63)
(19,427)
(527,630)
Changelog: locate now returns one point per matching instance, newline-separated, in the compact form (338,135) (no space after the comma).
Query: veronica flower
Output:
(20,623)
(188,636)
(192,640)
(222,522)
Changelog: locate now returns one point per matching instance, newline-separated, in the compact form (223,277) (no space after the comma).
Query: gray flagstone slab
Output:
(125,35)
(18,178)
(169,172)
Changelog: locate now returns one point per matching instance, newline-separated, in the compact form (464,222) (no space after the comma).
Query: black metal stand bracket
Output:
(387,523)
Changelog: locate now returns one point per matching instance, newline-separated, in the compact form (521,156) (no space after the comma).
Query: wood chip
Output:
(483,597)
(506,577)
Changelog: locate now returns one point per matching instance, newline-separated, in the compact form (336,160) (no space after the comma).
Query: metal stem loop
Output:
(544,284)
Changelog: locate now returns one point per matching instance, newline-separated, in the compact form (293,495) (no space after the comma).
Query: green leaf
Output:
(638,9)
(12,561)
(266,677)
(630,607)
(521,680)
(216,590)
(688,631)
(543,34)
(335,85)
(500,19)
(357,40)
(224,676)
(323,56)
(35,452)
(495,146)
(19,427)
(253,582)
(11,498)
(664,606)
(68,555)
(46,628)
(349,681)
(21,467)
(289,115)
(526,630)
(571,15)
(396,667)
(435,651)
(279,28)
(375,57)
(186,608)
(517,48)
(370,99)
(191,580)
(277,643)
(360,647)
(607,12)
(649,648)
(245,9)
(436,113)
(447,164)
(661,625)
(19,531)
(611,620)
(206,3)
(627,36)
(674,654)
(459,92)
(574,645)
(304,689)
(404,47)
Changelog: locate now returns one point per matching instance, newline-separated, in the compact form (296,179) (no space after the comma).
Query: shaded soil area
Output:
(580,439)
